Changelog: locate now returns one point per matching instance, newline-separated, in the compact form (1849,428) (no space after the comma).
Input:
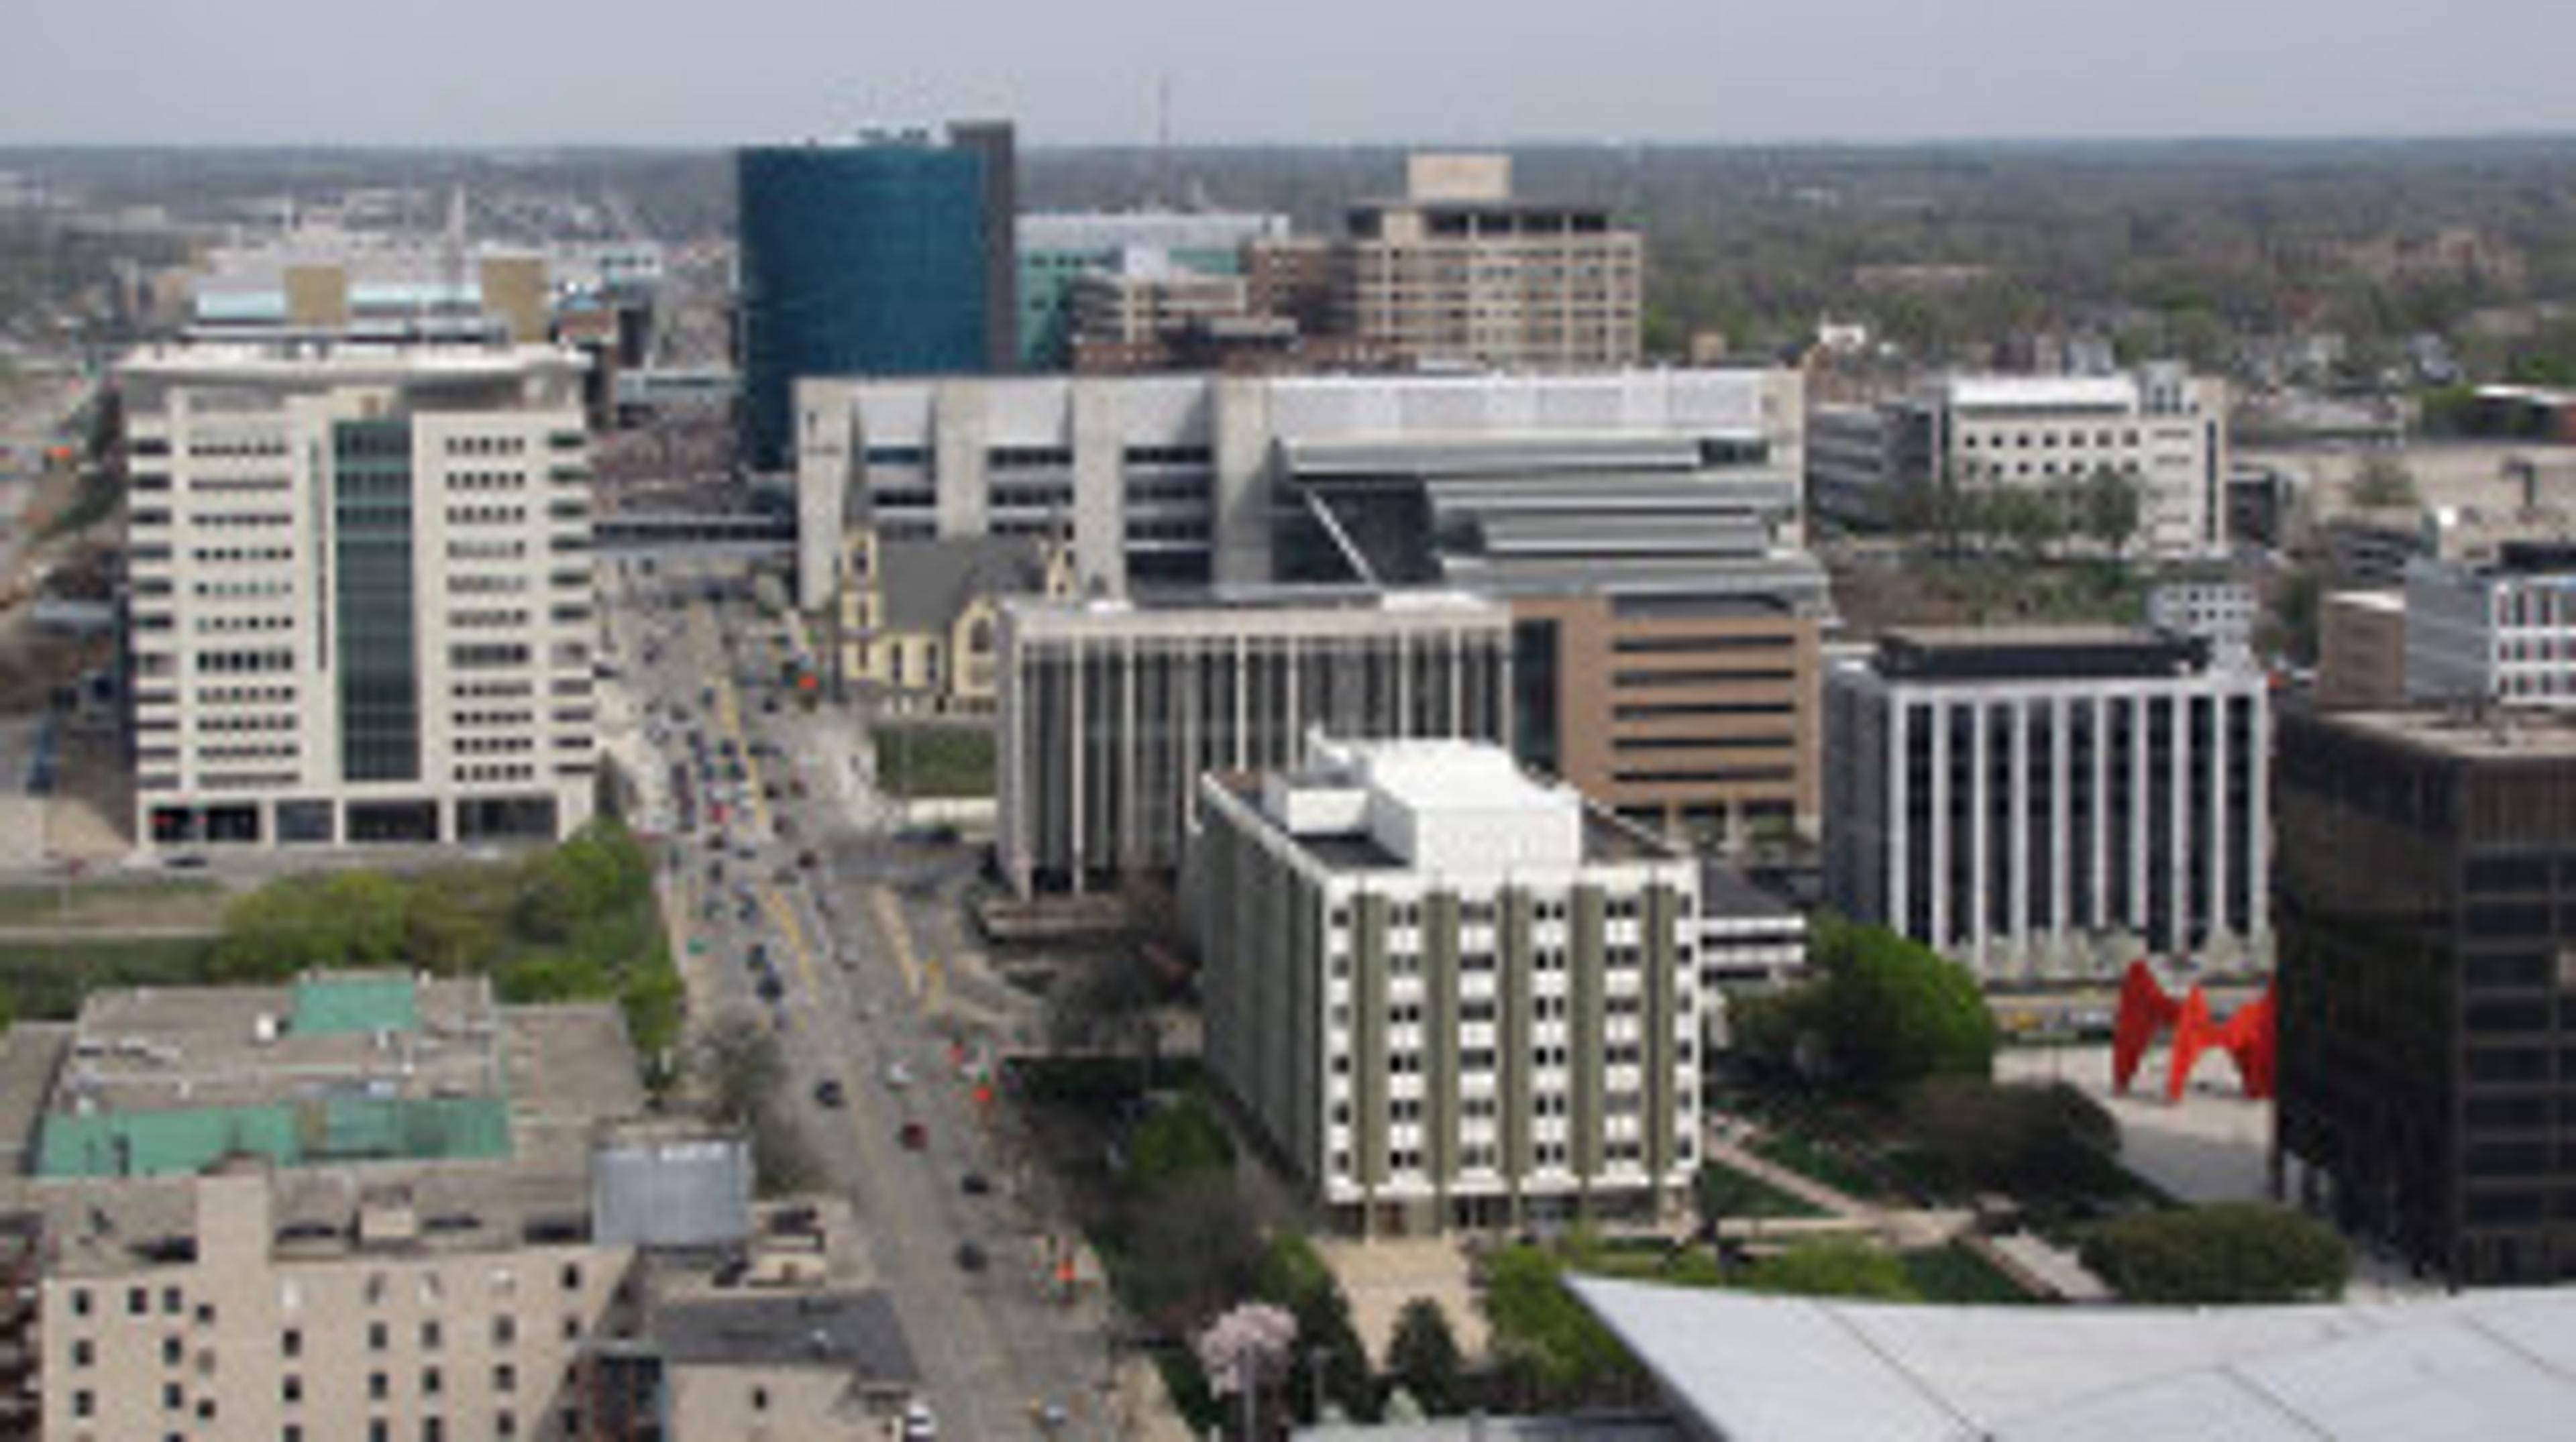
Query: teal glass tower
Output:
(892,255)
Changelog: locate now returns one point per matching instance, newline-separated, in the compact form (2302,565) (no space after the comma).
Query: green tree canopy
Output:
(1295,1276)
(2037,1140)
(2382,480)
(1180,1138)
(2229,1252)
(1422,1358)
(1885,1013)
(1552,1352)
(1835,1267)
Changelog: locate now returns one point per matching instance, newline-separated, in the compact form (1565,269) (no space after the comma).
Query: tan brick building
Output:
(1697,723)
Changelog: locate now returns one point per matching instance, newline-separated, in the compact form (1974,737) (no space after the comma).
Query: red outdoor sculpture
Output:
(2147,1009)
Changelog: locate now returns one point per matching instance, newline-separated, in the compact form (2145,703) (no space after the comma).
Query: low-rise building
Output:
(2361,651)
(1449,994)
(921,620)
(2500,631)
(1111,711)
(2218,609)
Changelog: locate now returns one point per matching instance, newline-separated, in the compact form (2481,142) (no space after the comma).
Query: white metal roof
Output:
(2084,393)
(1775,1369)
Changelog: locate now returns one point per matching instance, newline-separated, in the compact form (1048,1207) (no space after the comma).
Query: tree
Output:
(441,934)
(2109,508)
(2027,520)
(1835,1267)
(1179,1139)
(1890,1011)
(2381,481)
(1552,1353)
(1422,1358)
(739,1063)
(2229,1252)
(1191,1246)
(2047,1141)
(1294,1275)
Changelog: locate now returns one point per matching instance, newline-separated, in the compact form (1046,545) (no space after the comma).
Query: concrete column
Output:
(1938,713)
(2097,916)
(2220,919)
(2017,831)
(1074,771)
(2061,830)
(957,444)
(2178,844)
(1981,746)
(2258,830)
(1099,487)
(2141,835)
(1242,703)
(1893,853)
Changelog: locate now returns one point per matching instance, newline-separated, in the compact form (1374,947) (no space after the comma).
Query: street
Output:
(776,842)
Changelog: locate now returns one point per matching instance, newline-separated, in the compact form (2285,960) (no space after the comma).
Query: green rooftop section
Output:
(309,1132)
(325,1006)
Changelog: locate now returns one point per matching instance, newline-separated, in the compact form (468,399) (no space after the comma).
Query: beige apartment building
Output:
(1460,271)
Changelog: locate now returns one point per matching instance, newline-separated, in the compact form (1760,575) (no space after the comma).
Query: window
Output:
(169,1351)
(505,1330)
(292,1432)
(379,1430)
(379,1387)
(572,1276)
(290,1388)
(431,1382)
(379,1336)
(430,1336)
(572,1329)
(505,1378)
(291,1342)
(505,1423)
(173,1396)
(138,1301)
(433,1429)
(84,1403)
(84,1352)
(760,1399)
(80,1301)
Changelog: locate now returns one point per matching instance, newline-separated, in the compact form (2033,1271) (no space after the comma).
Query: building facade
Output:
(2047,803)
(2424,986)
(1652,480)
(2161,428)
(2495,632)
(1459,271)
(2217,609)
(2361,651)
(921,620)
(1111,711)
(363,607)
(1057,249)
(893,255)
(1446,993)
(1693,720)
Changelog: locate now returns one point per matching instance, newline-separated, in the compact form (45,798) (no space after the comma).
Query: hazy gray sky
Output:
(1070,71)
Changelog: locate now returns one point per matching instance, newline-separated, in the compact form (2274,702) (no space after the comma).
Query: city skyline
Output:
(1872,72)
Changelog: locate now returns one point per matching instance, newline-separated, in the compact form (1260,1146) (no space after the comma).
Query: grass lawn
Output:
(1749,1196)
(940,761)
(1956,1274)
(171,901)
(48,978)
(1811,1159)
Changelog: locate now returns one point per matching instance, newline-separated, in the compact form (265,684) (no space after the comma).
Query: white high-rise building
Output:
(2049,802)
(363,608)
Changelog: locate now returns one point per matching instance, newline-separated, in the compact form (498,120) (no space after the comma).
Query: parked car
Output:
(913,1136)
(828,1093)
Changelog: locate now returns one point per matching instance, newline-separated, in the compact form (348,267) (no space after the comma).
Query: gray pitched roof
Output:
(926,583)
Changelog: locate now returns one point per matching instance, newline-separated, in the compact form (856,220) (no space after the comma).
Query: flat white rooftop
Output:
(1776,1369)
(2084,393)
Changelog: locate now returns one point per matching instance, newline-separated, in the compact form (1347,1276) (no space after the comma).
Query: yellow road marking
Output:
(785,916)
(898,936)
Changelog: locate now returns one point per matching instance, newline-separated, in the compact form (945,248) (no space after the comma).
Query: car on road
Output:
(828,1093)
(897,1075)
(913,1136)
(970,1257)
(920,1424)
(807,859)
(771,989)
(975,1184)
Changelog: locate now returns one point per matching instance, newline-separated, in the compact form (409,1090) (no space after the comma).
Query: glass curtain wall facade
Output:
(376,648)
(871,259)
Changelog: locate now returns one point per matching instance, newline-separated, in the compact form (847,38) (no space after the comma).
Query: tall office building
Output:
(1447,993)
(1460,271)
(891,255)
(2165,429)
(2042,803)
(1111,711)
(2427,914)
(363,607)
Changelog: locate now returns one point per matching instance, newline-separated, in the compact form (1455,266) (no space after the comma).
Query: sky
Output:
(719,72)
